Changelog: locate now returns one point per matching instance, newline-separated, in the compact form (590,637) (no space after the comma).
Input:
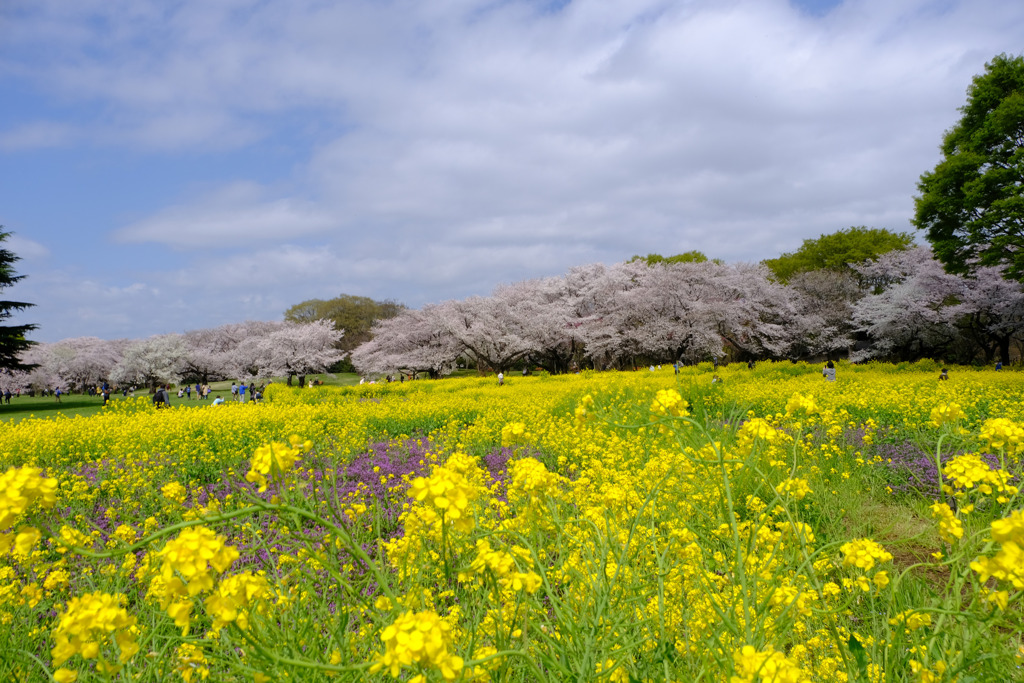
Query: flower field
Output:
(644,526)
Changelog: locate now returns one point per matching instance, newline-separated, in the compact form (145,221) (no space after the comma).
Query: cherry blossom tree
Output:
(491,334)
(990,312)
(226,351)
(294,349)
(414,341)
(157,360)
(913,317)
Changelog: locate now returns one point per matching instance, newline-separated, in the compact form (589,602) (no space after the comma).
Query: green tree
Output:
(686,257)
(12,337)
(353,314)
(972,204)
(837,251)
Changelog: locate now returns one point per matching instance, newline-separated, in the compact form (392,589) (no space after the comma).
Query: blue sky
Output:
(171,166)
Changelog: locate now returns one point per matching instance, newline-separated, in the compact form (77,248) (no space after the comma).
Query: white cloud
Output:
(26,249)
(237,214)
(445,146)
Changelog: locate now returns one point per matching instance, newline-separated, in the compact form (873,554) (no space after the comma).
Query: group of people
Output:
(198,391)
(244,393)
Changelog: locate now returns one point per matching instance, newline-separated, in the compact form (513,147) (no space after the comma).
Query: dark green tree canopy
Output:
(972,205)
(354,314)
(837,251)
(12,337)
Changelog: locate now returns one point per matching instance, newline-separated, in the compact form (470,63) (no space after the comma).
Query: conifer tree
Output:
(12,337)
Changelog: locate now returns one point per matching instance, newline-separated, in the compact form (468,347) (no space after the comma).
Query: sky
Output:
(175,165)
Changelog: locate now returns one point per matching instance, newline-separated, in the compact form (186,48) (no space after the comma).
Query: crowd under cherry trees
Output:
(902,306)
(246,351)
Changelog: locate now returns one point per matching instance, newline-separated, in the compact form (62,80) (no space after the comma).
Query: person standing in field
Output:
(829,372)
(501,379)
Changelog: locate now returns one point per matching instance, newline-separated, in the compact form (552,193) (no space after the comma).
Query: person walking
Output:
(501,379)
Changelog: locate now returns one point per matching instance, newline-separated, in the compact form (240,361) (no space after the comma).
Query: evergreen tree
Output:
(12,337)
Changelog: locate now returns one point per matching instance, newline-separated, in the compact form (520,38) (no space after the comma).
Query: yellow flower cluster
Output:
(19,488)
(95,626)
(1002,434)
(864,553)
(800,403)
(502,566)
(274,460)
(912,619)
(795,488)
(450,492)
(515,433)
(175,492)
(668,402)
(234,597)
(581,412)
(765,666)
(421,638)
(967,471)
(946,412)
(532,486)
(951,529)
(187,570)
(1007,564)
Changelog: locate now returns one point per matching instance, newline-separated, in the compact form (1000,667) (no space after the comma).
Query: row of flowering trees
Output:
(901,306)
(244,350)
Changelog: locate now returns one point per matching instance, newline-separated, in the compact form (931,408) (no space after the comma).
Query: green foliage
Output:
(354,314)
(686,257)
(838,250)
(972,204)
(12,337)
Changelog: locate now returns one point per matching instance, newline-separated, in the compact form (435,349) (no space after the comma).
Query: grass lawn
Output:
(85,405)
